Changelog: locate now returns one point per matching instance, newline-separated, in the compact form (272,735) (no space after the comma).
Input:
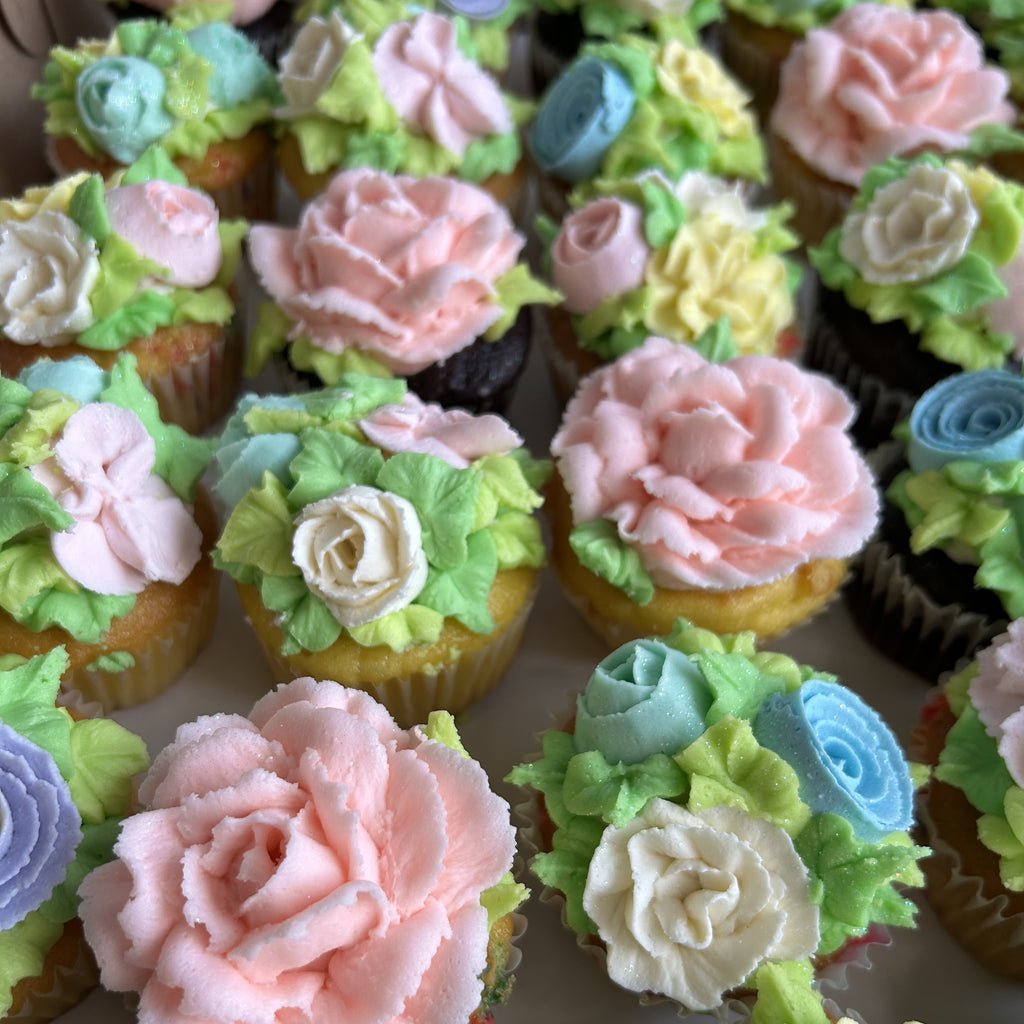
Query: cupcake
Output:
(398,275)
(970,733)
(720,823)
(374,870)
(380,541)
(878,82)
(65,785)
(145,267)
(106,554)
(921,280)
(673,260)
(413,100)
(729,494)
(193,85)
(946,573)
(631,106)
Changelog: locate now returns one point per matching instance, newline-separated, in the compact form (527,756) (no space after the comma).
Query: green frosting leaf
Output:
(27,570)
(1003,834)
(121,271)
(441,727)
(95,848)
(517,541)
(461,592)
(973,282)
(329,462)
(740,686)
(663,213)
(716,344)
(27,695)
(106,757)
(211,305)
(496,154)
(503,898)
(409,626)
(786,992)
(14,400)
(566,866)
(116,661)
(269,336)
(89,210)
(970,761)
(305,621)
(85,615)
(513,290)
(139,318)
(259,530)
(600,549)
(547,774)
(503,484)
(23,950)
(29,441)
(354,96)
(24,503)
(332,367)
(153,165)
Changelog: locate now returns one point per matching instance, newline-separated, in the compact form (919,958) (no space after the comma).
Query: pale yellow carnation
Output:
(709,271)
(48,197)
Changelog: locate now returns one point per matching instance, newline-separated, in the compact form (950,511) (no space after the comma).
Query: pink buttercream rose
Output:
(173,226)
(454,435)
(243,11)
(719,476)
(997,692)
(313,862)
(402,268)
(881,81)
(130,529)
(599,251)
(1007,314)
(435,89)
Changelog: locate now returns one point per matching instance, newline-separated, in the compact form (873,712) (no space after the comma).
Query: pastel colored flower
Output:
(997,692)
(309,64)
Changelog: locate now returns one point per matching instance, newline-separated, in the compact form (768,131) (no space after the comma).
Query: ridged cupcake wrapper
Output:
(254,197)
(157,666)
(69,974)
(195,395)
(980,924)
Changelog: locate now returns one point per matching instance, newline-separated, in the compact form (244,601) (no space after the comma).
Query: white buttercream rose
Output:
(360,551)
(703,195)
(311,61)
(689,904)
(47,270)
(912,229)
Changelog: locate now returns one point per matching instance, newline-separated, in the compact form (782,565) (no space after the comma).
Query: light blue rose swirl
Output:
(78,377)
(976,416)
(121,103)
(581,115)
(240,74)
(478,10)
(846,757)
(644,698)
(40,827)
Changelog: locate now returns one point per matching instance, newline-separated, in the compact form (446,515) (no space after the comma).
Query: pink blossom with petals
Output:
(243,11)
(454,435)
(312,862)
(435,89)
(719,475)
(130,528)
(997,692)
(402,268)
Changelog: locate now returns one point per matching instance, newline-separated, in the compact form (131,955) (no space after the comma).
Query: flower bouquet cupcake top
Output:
(626,107)
(411,100)
(368,852)
(182,84)
(652,257)
(65,785)
(101,266)
(388,274)
(724,820)
(361,509)
(99,495)
(936,244)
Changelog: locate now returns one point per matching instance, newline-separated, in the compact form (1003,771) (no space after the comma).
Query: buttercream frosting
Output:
(997,692)
(243,12)
(662,19)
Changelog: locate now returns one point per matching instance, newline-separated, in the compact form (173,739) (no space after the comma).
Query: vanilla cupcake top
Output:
(65,786)
(730,791)
(101,265)
(434,502)
(181,84)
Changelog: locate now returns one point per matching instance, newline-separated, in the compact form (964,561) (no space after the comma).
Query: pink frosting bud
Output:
(599,251)
(170,225)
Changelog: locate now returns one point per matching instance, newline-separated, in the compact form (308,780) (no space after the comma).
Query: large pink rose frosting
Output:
(399,267)
(881,81)
(719,475)
(311,863)
(435,89)
(997,692)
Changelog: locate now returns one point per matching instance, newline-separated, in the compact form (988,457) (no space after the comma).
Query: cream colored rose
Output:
(695,76)
(47,270)
(361,553)
(308,66)
(912,229)
(689,904)
(709,271)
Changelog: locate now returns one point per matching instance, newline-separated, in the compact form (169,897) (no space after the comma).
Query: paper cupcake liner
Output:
(254,197)
(568,362)
(158,664)
(69,973)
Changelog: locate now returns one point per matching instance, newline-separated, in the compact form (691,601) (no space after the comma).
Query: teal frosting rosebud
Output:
(478,10)
(582,114)
(846,758)
(240,74)
(975,416)
(644,698)
(121,103)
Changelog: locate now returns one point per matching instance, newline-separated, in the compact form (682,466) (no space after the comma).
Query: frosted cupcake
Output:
(145,266)
(65,785)
(879,82)
(389,274)
(381,541)
(375,853)
(729,494)
(699,817)
(922,279)
(632,106)
(409,101)
(108,554)
(673,260)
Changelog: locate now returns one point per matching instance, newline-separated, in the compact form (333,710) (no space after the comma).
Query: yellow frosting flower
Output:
(979,181)
(696,77)
(47,197)
(711,270)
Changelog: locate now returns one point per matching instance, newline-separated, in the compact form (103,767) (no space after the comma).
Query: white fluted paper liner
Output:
(69,974)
